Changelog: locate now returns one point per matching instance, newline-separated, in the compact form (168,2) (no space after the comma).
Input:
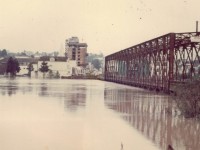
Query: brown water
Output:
(89,115)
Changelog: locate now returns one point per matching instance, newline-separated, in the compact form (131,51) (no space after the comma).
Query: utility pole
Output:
(196,26)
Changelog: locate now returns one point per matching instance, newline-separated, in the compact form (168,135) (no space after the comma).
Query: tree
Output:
(12,66)
(50,74)
(57,76)
(96,63)
(30,69)
(3,53)
(54,75)
(55,54)
(44,68)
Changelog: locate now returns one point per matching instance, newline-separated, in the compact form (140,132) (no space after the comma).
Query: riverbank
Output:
(83,77)
(187,98)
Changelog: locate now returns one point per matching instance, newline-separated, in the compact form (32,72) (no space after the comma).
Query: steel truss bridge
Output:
(157,63)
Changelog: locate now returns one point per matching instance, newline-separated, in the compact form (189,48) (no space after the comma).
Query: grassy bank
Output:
(187,97)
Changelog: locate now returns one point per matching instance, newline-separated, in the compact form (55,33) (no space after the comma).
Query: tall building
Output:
(76,51)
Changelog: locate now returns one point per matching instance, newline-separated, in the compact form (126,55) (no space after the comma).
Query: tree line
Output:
(3,53)
(13,68)
(94,60)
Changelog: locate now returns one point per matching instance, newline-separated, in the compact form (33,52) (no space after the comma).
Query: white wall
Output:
(23,70)
(64,68)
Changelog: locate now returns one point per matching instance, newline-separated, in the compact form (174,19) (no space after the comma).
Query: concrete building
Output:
(57,65)
(76,51)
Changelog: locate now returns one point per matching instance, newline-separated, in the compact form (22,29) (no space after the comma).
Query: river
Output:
(42,114)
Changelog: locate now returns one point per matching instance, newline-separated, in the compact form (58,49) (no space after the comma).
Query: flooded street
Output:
(89,115)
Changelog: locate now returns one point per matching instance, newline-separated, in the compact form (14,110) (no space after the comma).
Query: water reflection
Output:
(76,97)
(9,87)
(155,117)
(71,114)
(43,90)
(73,95)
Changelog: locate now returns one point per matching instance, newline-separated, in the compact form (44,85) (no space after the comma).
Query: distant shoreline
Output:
(82,77)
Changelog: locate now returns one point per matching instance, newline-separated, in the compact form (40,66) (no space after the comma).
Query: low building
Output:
(56,65)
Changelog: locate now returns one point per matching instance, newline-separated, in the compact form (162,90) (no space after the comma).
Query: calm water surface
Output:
(89,115)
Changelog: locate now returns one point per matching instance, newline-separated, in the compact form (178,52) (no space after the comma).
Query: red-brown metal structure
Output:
(156,63)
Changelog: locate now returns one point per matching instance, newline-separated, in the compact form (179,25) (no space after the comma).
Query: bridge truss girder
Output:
(156,63)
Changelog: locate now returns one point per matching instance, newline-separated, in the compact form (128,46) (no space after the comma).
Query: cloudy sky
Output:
(106,26)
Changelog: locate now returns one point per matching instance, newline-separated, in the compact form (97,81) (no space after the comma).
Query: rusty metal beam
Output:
(156,63)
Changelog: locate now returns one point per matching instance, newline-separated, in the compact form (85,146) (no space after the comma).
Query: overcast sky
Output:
(106,26)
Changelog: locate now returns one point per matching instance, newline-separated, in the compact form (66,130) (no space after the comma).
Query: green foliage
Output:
(53,75)
(50,74)
(96,63)
(187,97)
(12,66)
(57,75)
(55,54)
(30,69)
(95,59)
(92,56)
(3,53)
(44,68)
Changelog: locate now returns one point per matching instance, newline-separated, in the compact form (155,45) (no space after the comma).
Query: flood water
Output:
(89,115)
